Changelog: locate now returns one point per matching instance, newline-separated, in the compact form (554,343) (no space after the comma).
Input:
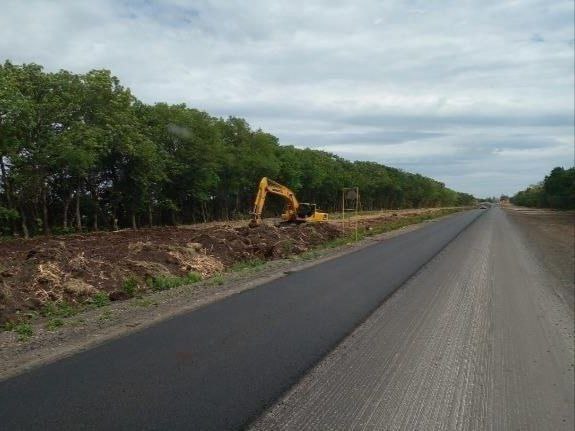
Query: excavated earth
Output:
(74,268)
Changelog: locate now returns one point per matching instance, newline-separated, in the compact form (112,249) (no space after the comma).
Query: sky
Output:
(477,94)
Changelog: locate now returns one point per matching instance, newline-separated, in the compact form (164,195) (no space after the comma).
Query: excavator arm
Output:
(269,186)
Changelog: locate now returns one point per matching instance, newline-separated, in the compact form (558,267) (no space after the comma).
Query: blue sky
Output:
(479,95)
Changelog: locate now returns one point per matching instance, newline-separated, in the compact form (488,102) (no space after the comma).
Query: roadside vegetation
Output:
(79,152)
(556,191)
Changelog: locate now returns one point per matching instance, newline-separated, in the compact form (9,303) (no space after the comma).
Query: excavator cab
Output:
(309,212)
(306,210)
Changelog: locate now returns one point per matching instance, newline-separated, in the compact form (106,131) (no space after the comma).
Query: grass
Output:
(165,282)
(58,310)
(76,322)
(54,323)
(144,302)
(337,215)
(24,330)
(100,299)
(106,315)
(130,286)
(217,280)
(247,265)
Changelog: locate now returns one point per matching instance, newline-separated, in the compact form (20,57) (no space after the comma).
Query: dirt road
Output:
(550,235)
(479,339)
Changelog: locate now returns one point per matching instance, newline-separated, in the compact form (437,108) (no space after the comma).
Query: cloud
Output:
(476,94)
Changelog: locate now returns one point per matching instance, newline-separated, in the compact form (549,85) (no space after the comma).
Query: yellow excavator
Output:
(294,211)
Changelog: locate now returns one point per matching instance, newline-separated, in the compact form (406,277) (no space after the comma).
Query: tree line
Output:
(557,191)
(80,152)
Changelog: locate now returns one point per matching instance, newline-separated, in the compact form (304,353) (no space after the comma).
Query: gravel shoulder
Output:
(477,339)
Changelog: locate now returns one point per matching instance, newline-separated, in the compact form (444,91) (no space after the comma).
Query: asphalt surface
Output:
(218,367)
(477,340)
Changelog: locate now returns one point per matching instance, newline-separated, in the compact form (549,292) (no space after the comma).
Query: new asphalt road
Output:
(220,366)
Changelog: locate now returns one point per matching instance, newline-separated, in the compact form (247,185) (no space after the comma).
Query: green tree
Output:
(81,147)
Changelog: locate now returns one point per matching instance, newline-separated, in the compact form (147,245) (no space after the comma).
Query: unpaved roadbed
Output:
(551,236)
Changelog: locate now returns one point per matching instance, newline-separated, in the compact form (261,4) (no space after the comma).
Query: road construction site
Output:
(453,324)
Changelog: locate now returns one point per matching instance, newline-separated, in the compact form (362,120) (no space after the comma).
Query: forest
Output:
(79,152)
(557,191)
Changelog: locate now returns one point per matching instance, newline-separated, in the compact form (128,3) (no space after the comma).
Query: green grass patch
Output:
(24,330)
(247,264)
(217,280)
(144,302)
(58,310)
(100,299)
(54,323)
(76,322)
(165,282)
(130,286)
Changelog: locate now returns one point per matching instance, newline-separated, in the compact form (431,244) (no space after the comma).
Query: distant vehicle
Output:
(484,205)
(295,211)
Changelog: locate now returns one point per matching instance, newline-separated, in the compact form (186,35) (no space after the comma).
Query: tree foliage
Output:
(556,191)
(79,151)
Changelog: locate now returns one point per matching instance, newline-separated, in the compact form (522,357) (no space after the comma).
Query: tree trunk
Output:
(66,209)
(96,203)
(78,214)
(134,225)
(237,210)
(8,189)
(6,183)
(150,215)
(203,208)
(25,231)
(45,224)
(115,219)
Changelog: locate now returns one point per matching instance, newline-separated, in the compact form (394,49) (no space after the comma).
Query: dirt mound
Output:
(73,268)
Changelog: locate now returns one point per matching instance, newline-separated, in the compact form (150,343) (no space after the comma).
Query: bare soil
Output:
(551,235)
(74,268)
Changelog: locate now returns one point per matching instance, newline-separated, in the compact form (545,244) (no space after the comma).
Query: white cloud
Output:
(448,89)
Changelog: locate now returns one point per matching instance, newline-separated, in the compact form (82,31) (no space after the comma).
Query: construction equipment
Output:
(296,212)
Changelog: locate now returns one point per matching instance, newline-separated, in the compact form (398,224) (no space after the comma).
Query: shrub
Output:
(129,286)
(163,282)
(100,299)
